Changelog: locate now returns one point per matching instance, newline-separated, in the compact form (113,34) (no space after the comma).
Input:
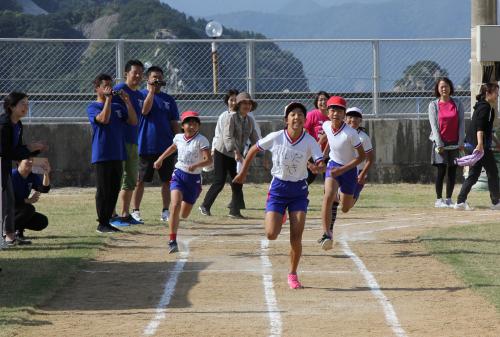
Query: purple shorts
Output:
(357,190)
(347,181)
(291,195)
(188,184)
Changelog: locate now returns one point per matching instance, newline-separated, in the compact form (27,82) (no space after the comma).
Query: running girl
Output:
(185,187)
(291,149)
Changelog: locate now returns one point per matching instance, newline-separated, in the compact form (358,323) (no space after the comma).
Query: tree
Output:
(420,76)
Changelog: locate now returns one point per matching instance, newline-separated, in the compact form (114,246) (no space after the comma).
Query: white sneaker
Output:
(165,215)
(136,215)
(496,207)
(440,203)
(449,203)
(463,206)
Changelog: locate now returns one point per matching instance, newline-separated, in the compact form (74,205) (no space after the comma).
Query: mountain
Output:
(390,19)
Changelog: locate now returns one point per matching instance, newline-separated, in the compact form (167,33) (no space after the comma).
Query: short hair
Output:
(101,77)
(320,93)
(229,93)
(447,81)
(155,69)
(131,63)
(486,88)
(11,101)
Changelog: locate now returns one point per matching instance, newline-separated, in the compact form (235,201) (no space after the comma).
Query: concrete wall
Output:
(402,151)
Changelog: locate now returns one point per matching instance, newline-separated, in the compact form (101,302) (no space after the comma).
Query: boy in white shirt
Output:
(341,172)
(291,149)
(193,153)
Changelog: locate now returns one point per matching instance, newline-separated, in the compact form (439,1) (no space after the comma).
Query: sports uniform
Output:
(368,147)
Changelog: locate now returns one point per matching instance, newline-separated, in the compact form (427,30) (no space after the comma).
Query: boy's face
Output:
(155,76)
(295,119)
(336,113)
(353,121)
(106,84)
(134,76)
(190,126)
(26,164)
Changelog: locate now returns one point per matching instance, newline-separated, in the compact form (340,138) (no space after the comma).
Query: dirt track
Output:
(228,284)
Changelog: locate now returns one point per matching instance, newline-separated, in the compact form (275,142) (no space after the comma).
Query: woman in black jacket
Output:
(12,148)
(481,135)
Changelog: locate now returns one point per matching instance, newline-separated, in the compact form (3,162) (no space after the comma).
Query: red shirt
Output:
(448,121)
(314,123)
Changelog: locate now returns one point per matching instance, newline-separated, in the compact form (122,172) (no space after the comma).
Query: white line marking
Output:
(168,292)
(389,313)
(267,282)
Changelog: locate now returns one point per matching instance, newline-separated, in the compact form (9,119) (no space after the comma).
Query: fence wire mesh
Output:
(383,77)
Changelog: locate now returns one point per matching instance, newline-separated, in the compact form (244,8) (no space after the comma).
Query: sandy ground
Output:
(377,281)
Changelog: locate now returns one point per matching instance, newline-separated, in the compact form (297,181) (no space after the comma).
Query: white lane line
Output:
(389,313)
(168,291)
(267,282)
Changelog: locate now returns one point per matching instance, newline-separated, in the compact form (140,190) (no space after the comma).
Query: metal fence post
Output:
(120,60)
(376,76)
(251,67)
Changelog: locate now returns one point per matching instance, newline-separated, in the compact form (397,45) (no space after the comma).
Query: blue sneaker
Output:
(132,221)
(118,221)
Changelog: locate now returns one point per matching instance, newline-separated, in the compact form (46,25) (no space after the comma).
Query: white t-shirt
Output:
(342,142)
(189,151)
(290,157)
(218,128)
(367,146)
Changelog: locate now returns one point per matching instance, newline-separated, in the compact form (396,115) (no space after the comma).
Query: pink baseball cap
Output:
(189,114)
(336,101)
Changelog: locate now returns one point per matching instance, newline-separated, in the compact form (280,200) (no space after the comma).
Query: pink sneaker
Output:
(293,281)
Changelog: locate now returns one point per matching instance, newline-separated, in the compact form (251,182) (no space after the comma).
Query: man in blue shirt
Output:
(23,182)
(108,121)
(134,71)
(158,125)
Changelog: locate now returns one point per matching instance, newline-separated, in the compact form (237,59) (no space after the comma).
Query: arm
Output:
(171,149)
(480,144)
(370,157)
(461,124)
(132,114)
(206,161)
(104,116)
(228,133)
(174,125)
(433,120)
(240,177)
(148,101)
(353,163)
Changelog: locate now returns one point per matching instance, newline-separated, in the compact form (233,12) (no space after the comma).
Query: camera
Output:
(116,92)
(159,83)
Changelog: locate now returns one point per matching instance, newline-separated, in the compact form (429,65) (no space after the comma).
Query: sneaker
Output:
(119,222)
(326,242)
(496,207)
(21,240)
(236,215)
(133,221)
(449,203)
(172,247)
(136,215)
(103,229)
(440,203)
(165,214)
(205,211)
(293,281)
(463,206)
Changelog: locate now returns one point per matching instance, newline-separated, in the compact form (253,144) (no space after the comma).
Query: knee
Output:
(272,235)
(345,209)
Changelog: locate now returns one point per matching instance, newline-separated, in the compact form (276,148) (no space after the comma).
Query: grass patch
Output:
(473,253)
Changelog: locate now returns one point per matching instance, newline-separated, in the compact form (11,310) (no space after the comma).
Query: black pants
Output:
(108,182)
(222,166)
(490,166)
(28,218)
(450,183)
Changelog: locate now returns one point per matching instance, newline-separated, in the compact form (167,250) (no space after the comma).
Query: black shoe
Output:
(105,229)
(205,211)
(172,247)
(21,240)
(236,215)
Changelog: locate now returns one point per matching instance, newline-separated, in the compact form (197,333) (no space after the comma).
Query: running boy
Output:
(341,172)
(193,153)
(291,149)
(354,117)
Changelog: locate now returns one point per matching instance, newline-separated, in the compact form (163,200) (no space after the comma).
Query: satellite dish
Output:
(213,29)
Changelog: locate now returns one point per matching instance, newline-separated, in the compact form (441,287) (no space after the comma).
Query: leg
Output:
(331,187)
(272,223)
(441,172)
(129,181)
(24,213)
(236,189)
(165,173)
(492,173)
(175,209)
(137,195)
(8,211)
(297,222)
(474,173)
(37,222)
(186,209)
(450,183)
(165,194)
(335,207)
(220,173)
(347,201)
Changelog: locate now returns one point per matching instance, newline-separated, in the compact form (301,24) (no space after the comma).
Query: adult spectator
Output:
(158,124)
(446,116)
(134,71)
(480,135)
(108,121)
(237,128)
(16,107)
(24,181)
(314,124)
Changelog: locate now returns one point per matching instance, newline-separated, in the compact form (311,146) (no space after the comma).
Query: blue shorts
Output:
(287,194)
(357,190)
(188,184)
(347,180)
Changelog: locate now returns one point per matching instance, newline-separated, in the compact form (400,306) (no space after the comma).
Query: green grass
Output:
(473,253)
(33,274)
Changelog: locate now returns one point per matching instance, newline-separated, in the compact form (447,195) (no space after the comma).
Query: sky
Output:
(206,8)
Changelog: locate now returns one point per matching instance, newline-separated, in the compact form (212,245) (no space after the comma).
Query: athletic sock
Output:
(335,207)
(165,209)
(173,236)
(135,209)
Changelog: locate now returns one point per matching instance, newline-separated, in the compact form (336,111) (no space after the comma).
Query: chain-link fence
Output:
(383,77)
